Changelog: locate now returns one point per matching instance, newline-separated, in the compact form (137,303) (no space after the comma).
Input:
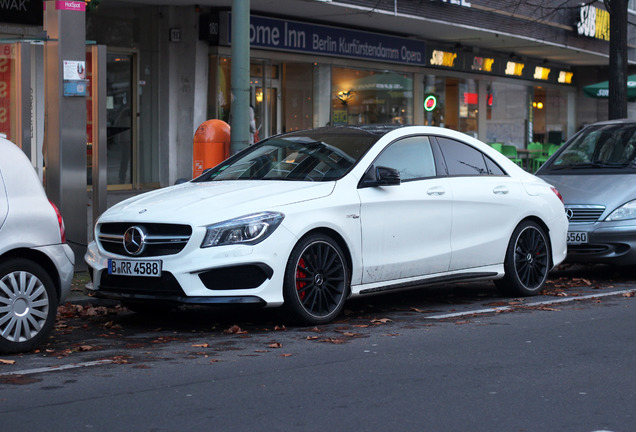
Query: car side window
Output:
(412,157)
(464,160)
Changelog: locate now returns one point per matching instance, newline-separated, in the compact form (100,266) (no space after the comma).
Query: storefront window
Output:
(451,103)
(367,97)
(264,94)
(506,110)
(297,96)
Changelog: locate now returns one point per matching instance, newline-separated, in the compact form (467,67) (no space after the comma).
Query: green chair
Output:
(510,152)
(552,149)
(497,146)
(535,151)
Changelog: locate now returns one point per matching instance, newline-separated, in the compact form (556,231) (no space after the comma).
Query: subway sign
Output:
(594,23)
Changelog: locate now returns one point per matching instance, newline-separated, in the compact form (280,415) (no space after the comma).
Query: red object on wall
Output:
(211,145)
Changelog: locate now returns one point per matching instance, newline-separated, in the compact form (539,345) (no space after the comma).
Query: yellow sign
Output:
(541,73)
(565,77)
(443,58)
(515,69)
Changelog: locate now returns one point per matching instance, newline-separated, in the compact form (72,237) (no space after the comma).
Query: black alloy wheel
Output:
(527,261)
(316,281)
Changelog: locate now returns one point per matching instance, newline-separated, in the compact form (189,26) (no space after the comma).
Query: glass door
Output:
(121,108)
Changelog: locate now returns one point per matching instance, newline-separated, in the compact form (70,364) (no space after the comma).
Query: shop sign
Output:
(565,77)
(21,11)
(482,64)
(541,73)
(443,58)
(594,22)
(284,35)
(514,68)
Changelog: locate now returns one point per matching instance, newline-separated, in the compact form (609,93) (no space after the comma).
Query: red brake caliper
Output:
(299,275)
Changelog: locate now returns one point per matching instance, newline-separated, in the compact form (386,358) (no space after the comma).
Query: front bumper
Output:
(240,274)
(608,242)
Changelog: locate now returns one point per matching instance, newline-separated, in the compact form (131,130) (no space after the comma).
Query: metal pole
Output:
(240,116)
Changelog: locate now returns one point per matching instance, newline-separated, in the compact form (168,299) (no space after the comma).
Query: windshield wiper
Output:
(597,164)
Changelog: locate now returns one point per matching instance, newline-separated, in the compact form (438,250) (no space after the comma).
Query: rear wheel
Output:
(527,261)
(28,305)
(316,281)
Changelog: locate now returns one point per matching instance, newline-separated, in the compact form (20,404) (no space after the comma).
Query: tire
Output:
(527,261)
(28,305)
(316,281)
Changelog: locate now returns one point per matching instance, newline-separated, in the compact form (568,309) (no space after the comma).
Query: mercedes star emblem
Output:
(135,240)
(569,213)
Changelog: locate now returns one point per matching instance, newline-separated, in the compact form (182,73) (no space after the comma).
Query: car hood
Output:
(610,190)
(209,202)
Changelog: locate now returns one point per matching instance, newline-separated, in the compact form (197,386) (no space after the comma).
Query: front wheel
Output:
(316,281)
(527,261)
(28,305)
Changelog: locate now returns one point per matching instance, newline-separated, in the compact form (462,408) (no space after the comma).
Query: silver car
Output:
(36,265)
(595,171)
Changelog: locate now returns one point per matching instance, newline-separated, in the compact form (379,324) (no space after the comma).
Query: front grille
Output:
(584,213)
(163,286)
(160,239)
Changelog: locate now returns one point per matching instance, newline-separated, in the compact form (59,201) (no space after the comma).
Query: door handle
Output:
(501,190)
(436,190)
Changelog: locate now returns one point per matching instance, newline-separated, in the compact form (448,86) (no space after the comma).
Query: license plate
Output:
(134,268)
(577,237)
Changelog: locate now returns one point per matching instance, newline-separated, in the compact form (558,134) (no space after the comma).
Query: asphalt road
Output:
(453,359)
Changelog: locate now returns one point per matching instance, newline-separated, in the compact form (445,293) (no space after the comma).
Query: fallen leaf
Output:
(334,341)
(380,321)
(201,345)
(7,362)
(629,294)
(235,330)
(286,355)
(275,345)
(280,328)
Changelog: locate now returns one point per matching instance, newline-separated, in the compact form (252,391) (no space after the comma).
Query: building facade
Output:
(508,71)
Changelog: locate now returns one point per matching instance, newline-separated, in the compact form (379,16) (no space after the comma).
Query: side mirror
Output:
(380,176)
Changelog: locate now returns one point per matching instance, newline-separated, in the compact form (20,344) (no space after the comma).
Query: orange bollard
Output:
(211,145)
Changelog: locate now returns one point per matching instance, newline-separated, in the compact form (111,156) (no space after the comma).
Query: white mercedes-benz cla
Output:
(307,219)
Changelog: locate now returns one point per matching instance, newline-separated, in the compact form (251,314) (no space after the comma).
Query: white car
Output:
(307,219)
(36,265)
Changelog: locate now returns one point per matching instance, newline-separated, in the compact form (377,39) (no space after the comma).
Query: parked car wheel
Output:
(316,280)
(527,261)
(28,305)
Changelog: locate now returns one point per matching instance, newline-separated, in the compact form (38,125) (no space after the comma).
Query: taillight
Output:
(60,222)
(556,192)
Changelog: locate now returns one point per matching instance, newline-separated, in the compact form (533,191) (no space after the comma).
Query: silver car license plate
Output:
(577,237)
(134,268)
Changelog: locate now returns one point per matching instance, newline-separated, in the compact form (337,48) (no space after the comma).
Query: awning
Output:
(601,90)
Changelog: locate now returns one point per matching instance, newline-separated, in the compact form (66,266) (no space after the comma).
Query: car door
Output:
(406,227)
(486,204)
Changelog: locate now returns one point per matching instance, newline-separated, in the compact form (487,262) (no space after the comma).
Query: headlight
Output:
(626,211)
(250,229)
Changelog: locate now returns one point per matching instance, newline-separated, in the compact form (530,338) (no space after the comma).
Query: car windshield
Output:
(602,146)
(317,155)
